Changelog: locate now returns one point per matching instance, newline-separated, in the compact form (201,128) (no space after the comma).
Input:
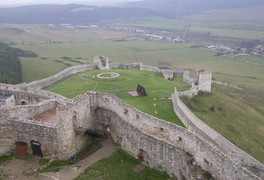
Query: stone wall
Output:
(206,154)
(30,96)
(73,117)
(102,62)
(123,66)
(26,130)
(149,68)
(37,85)
(202,130)
(7,115)
(154,152)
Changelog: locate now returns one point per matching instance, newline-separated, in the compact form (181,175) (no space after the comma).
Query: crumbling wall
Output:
(102,62)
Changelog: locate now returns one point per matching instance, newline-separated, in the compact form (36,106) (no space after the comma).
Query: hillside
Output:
(72,14)
(177,8)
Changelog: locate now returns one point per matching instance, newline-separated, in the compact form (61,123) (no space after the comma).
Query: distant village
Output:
(257,50)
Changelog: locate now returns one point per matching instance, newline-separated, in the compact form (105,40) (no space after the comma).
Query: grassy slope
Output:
(121,166)
(236,114)
(155,85)
(36,68)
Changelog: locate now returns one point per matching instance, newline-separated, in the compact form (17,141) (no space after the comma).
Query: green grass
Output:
(5,158)
(180,56)
(36,68)
(236,114)
(55,166)
(154,83)
(121,166)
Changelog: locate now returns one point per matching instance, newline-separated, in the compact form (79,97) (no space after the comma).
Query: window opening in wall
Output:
(140,155)
(23,102)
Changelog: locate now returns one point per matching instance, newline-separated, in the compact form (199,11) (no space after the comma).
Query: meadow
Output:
(158,90)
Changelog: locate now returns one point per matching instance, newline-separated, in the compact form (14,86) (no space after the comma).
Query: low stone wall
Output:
(123,66)
(37,85)
(202,130)
(149,68)
(33,96)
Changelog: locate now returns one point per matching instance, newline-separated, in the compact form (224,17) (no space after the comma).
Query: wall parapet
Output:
(39,84)
(201,129)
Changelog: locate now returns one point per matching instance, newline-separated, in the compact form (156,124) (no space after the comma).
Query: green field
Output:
(121,166)
(156,86)
(180,56)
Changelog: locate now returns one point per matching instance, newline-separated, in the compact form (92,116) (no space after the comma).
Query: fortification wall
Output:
(31,96)
(187,78)
(37,85)
(76,115)
(45,133)
(207,155)
(8,135)
(202,130)
(123,66)
(149,68)
(6,132)
(154,152)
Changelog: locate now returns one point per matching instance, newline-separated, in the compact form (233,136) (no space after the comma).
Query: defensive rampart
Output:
(206,154)
(202,130)
(37,85)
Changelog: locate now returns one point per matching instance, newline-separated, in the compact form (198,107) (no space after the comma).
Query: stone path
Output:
(20,169)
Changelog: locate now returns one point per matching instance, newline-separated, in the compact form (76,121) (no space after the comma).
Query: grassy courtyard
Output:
(156,86)
(121,166)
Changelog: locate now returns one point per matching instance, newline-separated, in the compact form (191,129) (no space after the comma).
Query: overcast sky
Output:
(94,2)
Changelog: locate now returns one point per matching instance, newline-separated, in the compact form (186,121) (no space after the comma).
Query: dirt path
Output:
(20,169)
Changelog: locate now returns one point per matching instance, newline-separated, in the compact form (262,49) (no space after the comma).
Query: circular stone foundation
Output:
(108,75)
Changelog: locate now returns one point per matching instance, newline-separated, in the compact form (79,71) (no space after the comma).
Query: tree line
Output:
(10,65)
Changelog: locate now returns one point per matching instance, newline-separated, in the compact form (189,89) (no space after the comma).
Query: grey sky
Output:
(94,2)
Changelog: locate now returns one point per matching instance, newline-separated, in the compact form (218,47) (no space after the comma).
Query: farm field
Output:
(156,86)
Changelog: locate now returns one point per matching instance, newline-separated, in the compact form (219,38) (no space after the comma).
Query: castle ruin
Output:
(59,124)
